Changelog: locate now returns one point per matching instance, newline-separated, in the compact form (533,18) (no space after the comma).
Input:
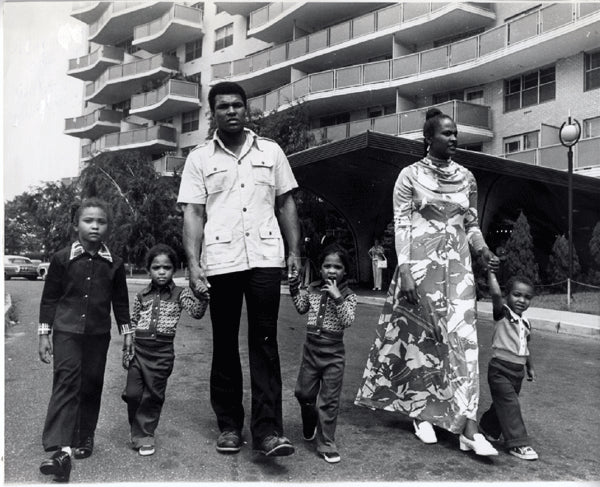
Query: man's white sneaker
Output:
(523,452)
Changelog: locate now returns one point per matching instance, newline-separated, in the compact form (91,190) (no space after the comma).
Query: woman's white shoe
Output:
(425,432)
(478,444)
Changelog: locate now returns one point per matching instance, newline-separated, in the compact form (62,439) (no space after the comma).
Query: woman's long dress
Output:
(424,361)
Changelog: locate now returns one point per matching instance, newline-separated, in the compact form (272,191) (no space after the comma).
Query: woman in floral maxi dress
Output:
(424,361)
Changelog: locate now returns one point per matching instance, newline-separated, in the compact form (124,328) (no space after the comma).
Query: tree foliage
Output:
(594,246)
(38,223)
(558,263)
(520,258)
(143,203)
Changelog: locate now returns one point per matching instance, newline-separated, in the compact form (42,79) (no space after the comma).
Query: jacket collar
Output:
(151,287)
(256,140)
(514,317)
(77,250)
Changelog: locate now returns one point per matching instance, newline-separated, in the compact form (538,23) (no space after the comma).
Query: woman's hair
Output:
(522,279)
(161,249)
(225,88)
(335,248)
(92,202)
(432,121)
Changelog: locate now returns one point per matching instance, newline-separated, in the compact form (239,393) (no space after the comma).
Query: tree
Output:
(142,201)
(558,263)
(520,259)
(594,246)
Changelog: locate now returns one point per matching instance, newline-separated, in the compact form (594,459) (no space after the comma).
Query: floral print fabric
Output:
(424,361)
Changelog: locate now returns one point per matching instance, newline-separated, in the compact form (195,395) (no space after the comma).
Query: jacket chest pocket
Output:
(263,172)
(217,179)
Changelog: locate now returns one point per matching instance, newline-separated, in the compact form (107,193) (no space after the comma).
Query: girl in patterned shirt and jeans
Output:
(330,305)
(156,312)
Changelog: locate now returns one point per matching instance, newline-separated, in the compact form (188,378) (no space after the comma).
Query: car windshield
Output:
(19,261)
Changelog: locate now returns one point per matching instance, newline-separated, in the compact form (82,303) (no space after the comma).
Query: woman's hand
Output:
(45,349)
(408,286)
(490,260)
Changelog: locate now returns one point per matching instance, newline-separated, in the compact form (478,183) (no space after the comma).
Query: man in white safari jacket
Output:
(236,189)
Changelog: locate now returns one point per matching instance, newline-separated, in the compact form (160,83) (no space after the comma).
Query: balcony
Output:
(179,25)
(275,22)
(120,82)
(151,140)
(240,8)
(173,97)
(120,18)
(169,165)
(88,68)
(585,155)
(354,40)
(472,120)
(546,34)
(95,124)
(88,12)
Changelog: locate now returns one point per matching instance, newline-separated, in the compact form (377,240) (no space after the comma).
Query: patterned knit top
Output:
(326,316)
(156,311)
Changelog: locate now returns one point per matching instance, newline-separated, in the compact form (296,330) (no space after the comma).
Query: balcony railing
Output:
(172,87)
(168,165)
(463,113)
(101,57)
(585,154)
(535,24)
(88,12)
(131,70)
(267,13)
(375,21)
(87,121)
(159,135)
(177,12)
(113,8)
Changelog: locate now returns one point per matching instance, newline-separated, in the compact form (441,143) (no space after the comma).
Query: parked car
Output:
(18,266)
(42,269)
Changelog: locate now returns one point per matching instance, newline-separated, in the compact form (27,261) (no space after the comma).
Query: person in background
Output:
(84,280)
(424,360)
(156,312)
(377,254)
(511,358)
(237,192)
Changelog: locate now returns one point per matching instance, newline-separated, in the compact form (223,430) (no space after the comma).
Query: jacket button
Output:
(242,185)
(216,238)
(244,209)
(247,234)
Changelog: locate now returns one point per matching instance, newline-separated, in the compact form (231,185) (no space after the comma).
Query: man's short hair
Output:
(225,88)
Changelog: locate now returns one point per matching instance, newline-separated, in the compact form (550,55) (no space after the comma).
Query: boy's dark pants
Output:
(261,288)
(504,415)
(319,386)
(146,385)
(79,363)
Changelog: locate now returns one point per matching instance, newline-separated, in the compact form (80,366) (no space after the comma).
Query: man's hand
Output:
(490,260)
(45,349)
(294,264)
(198,282)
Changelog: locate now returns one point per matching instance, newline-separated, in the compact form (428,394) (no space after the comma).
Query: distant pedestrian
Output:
(511,358)
(156,312)
(330,305)
(379,262)
(82,283)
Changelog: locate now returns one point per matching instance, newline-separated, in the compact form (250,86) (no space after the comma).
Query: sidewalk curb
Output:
(548,320)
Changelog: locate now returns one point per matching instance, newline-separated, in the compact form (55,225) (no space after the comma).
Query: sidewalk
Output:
(540,318)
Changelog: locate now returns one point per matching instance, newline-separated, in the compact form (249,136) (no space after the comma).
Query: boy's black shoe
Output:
(309,421)
(229,441)
(59,465)
(85,448)
(275,446)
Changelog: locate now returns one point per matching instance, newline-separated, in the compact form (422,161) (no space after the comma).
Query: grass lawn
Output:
(581,302)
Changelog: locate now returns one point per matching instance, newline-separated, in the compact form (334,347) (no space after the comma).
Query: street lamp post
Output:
(569,134)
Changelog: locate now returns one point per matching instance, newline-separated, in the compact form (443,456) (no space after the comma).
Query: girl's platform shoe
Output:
(478,444)
(425,432)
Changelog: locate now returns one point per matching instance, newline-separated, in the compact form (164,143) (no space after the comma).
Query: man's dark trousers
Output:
(261,288)
(79,363)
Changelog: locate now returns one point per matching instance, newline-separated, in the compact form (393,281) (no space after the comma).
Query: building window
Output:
(186,150)
(475,96)
(193,50)
(224,37)
(123,106)
(337,119)
(591,128)
(472,147)
(127,46)
(517,143)
(447,96)
(529,89)
(190,121)
(592,71)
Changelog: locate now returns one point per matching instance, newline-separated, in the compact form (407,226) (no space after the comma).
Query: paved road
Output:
(561,412)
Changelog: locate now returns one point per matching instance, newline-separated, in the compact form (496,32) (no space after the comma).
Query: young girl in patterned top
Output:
(156,312)
(330,305)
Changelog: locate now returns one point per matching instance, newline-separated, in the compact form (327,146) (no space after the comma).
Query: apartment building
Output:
(508,73)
